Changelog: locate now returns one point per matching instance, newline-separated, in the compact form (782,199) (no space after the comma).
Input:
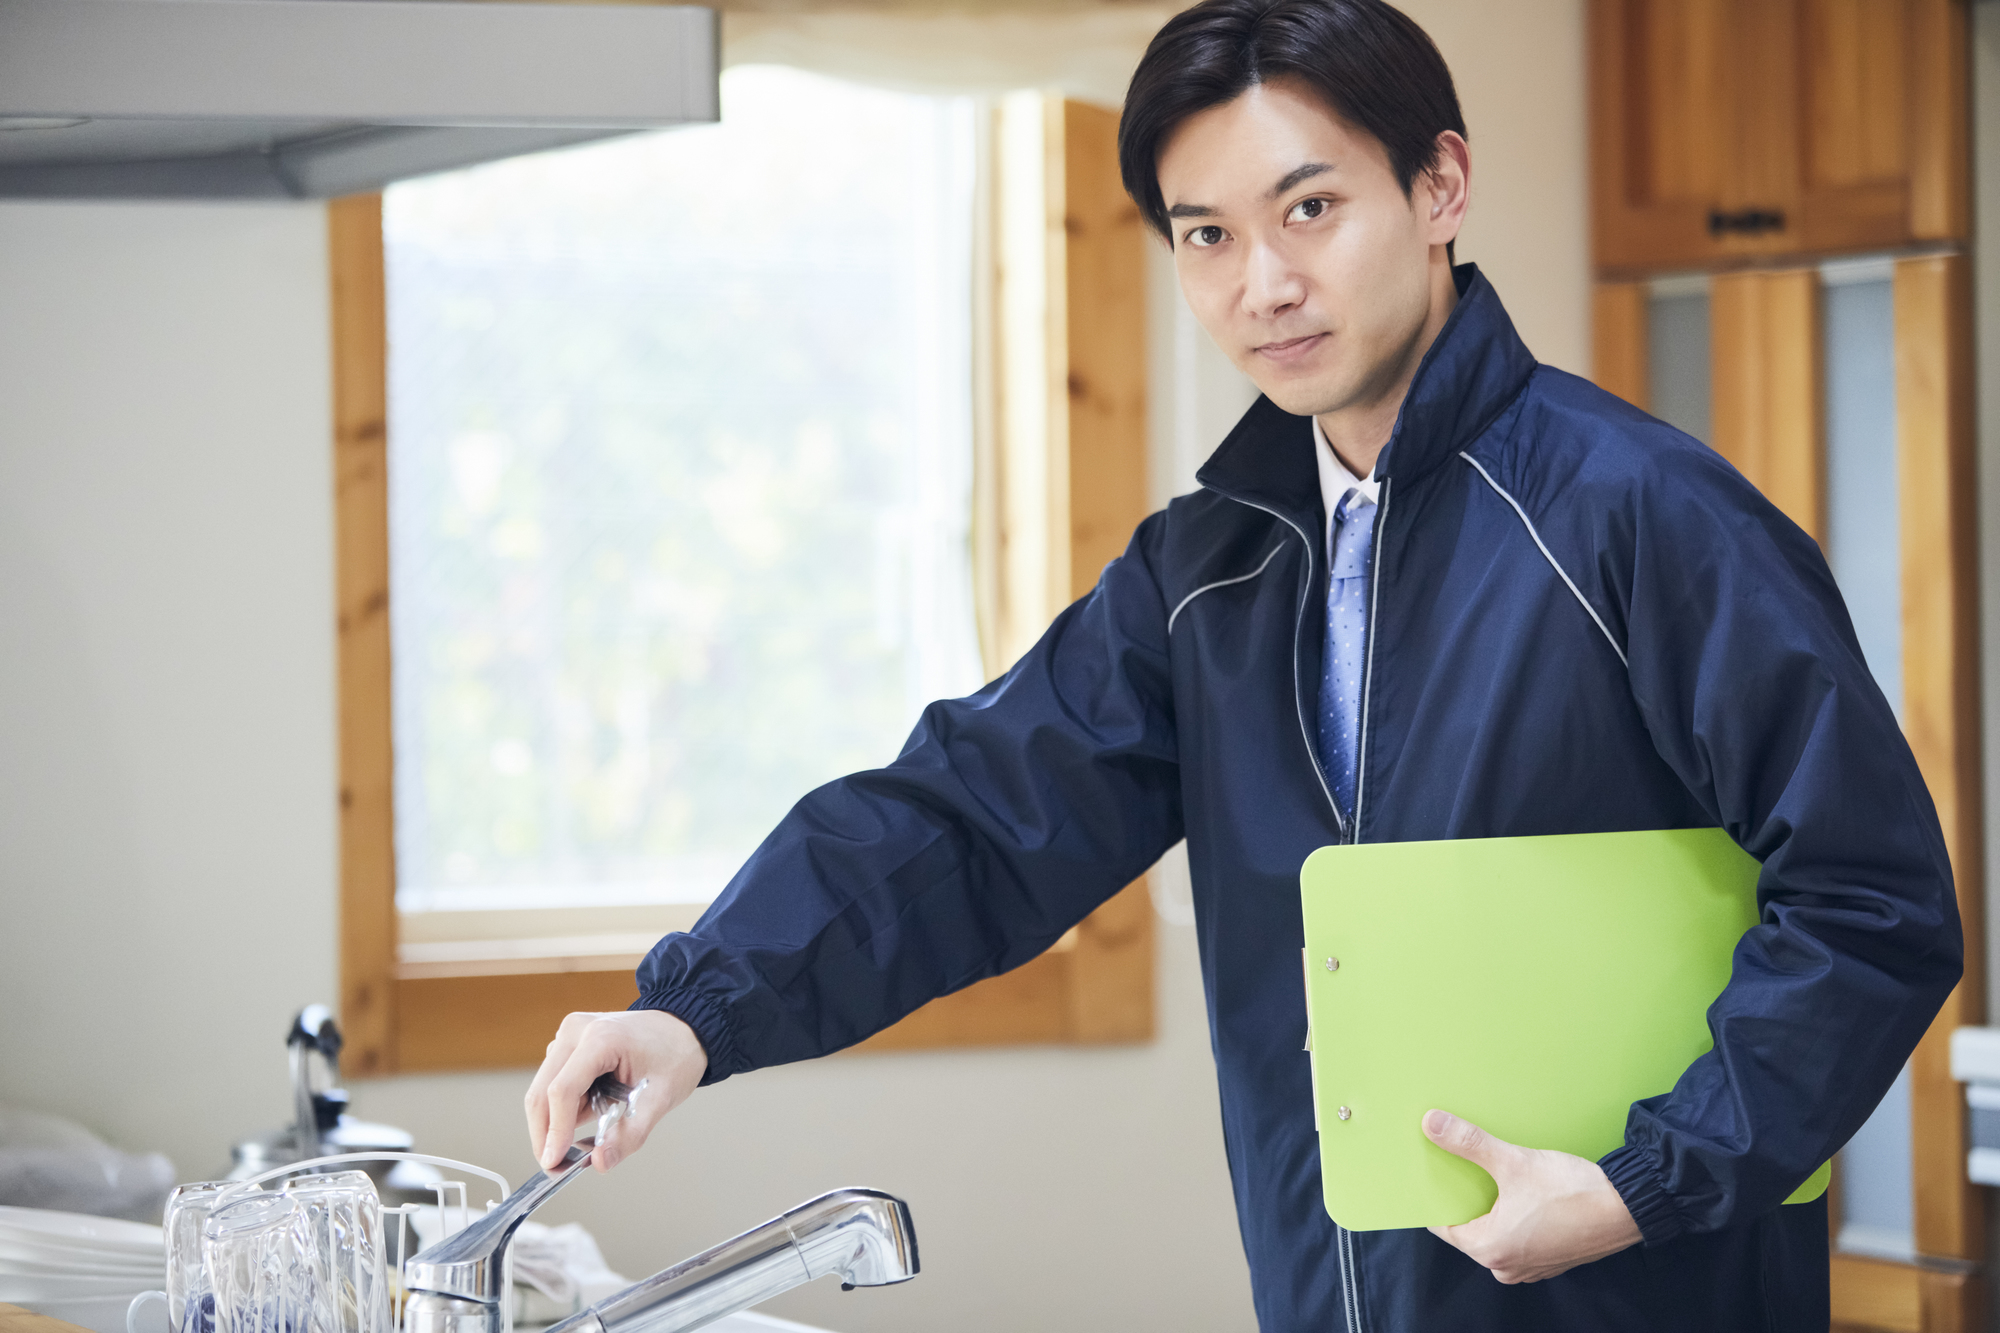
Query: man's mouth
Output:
(1289,349)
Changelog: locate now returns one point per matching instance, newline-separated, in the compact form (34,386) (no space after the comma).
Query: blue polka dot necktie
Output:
(1346,644)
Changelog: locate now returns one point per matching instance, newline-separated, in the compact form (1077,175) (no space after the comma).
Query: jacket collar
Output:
(1476,366)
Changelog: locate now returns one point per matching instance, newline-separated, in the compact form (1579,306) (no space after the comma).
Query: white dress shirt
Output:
(1335,481)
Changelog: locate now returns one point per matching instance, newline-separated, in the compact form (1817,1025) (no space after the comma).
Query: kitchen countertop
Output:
(13,1319)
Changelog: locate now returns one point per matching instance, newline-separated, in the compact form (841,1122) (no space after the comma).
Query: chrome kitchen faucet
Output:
(864,1237)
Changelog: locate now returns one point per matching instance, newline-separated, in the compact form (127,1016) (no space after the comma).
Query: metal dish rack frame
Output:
(403,1212)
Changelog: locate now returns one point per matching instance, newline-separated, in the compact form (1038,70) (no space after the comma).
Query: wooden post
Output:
(1935,443)
(1619,343)
(361,593)
(1769,405)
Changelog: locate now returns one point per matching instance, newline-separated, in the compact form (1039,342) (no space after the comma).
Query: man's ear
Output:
(1445,189)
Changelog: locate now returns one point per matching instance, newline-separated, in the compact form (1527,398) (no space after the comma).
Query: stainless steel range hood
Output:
(307,99)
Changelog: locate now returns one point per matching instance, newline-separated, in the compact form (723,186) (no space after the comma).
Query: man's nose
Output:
(1272,284)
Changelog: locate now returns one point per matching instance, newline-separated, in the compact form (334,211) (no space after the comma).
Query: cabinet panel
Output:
(1941,134)
(1855,123)
(1852,161)
(1727,129)
(1761,140)
(1645,143)
(1678,87)
(1693,118)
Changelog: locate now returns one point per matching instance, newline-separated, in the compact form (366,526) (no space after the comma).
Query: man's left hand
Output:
(1554,1212)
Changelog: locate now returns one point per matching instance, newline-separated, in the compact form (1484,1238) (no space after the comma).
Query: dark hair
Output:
(1375,68)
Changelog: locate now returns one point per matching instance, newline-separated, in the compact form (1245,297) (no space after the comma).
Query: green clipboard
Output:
(1535,986)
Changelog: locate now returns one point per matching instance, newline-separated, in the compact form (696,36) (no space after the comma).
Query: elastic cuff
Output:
(1637,1181)
(701,1012)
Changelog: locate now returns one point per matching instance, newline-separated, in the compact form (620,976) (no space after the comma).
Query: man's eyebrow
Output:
(1297,174)
(1291,178)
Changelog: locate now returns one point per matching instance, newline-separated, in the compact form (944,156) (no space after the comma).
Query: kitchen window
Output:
(680,467)
(675,521)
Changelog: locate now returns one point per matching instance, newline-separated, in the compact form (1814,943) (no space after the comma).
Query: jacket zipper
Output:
(1350,1266)
(1343,1239)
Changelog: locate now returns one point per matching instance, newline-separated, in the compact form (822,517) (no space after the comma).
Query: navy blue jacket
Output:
(1581,620)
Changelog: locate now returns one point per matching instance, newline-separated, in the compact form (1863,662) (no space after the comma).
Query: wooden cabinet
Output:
(1724,130)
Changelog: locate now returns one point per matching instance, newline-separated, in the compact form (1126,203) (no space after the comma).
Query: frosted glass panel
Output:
(1864,549)
(1877,1212)
(1677,354)
(1863,535)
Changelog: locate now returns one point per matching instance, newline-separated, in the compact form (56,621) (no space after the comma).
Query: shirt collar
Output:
(1335,480)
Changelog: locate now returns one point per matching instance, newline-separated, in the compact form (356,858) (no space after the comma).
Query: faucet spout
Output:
(864,1237)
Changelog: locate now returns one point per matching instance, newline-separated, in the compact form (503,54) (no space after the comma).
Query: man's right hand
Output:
(633,1044)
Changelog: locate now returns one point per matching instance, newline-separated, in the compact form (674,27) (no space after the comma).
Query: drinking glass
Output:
(259,1254)
(344,1219)
(190,1298)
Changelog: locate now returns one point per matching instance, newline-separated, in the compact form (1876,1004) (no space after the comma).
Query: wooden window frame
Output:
(1768,422)
(1060,485)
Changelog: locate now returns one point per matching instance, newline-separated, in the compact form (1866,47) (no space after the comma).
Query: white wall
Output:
(166,671)
(1519,68)
(167,840)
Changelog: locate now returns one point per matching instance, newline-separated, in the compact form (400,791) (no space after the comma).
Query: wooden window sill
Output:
(485,1004)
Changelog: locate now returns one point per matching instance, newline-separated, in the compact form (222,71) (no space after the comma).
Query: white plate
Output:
(79,1230)
(41,1254)
(20,1260)
(101,1316)
(16,1289)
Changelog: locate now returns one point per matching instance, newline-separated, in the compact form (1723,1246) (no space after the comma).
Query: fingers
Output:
(536,1102)
(590,1057)
(1462,1138)
(1481,1239)
(1478,1241)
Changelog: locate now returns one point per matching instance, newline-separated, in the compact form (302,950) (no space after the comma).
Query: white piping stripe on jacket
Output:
(1575,591)
(1222,583)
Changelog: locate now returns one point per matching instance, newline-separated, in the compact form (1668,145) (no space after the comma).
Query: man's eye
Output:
(1305,210)
(1205,236)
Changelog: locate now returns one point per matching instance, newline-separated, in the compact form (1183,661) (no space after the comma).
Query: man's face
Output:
(1297,250)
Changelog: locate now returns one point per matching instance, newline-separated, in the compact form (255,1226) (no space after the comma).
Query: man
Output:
(1429,589)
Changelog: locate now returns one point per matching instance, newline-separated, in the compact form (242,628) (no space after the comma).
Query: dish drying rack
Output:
(451,1194)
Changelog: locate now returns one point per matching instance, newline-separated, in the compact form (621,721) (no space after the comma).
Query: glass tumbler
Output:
(344,1219)
(190,1299)
(259,1254)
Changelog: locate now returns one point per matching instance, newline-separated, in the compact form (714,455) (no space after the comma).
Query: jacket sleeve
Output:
(1746,668)
(1008,816)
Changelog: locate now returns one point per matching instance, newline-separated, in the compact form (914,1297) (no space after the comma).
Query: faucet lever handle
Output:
(611,1101)
(471,1263)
